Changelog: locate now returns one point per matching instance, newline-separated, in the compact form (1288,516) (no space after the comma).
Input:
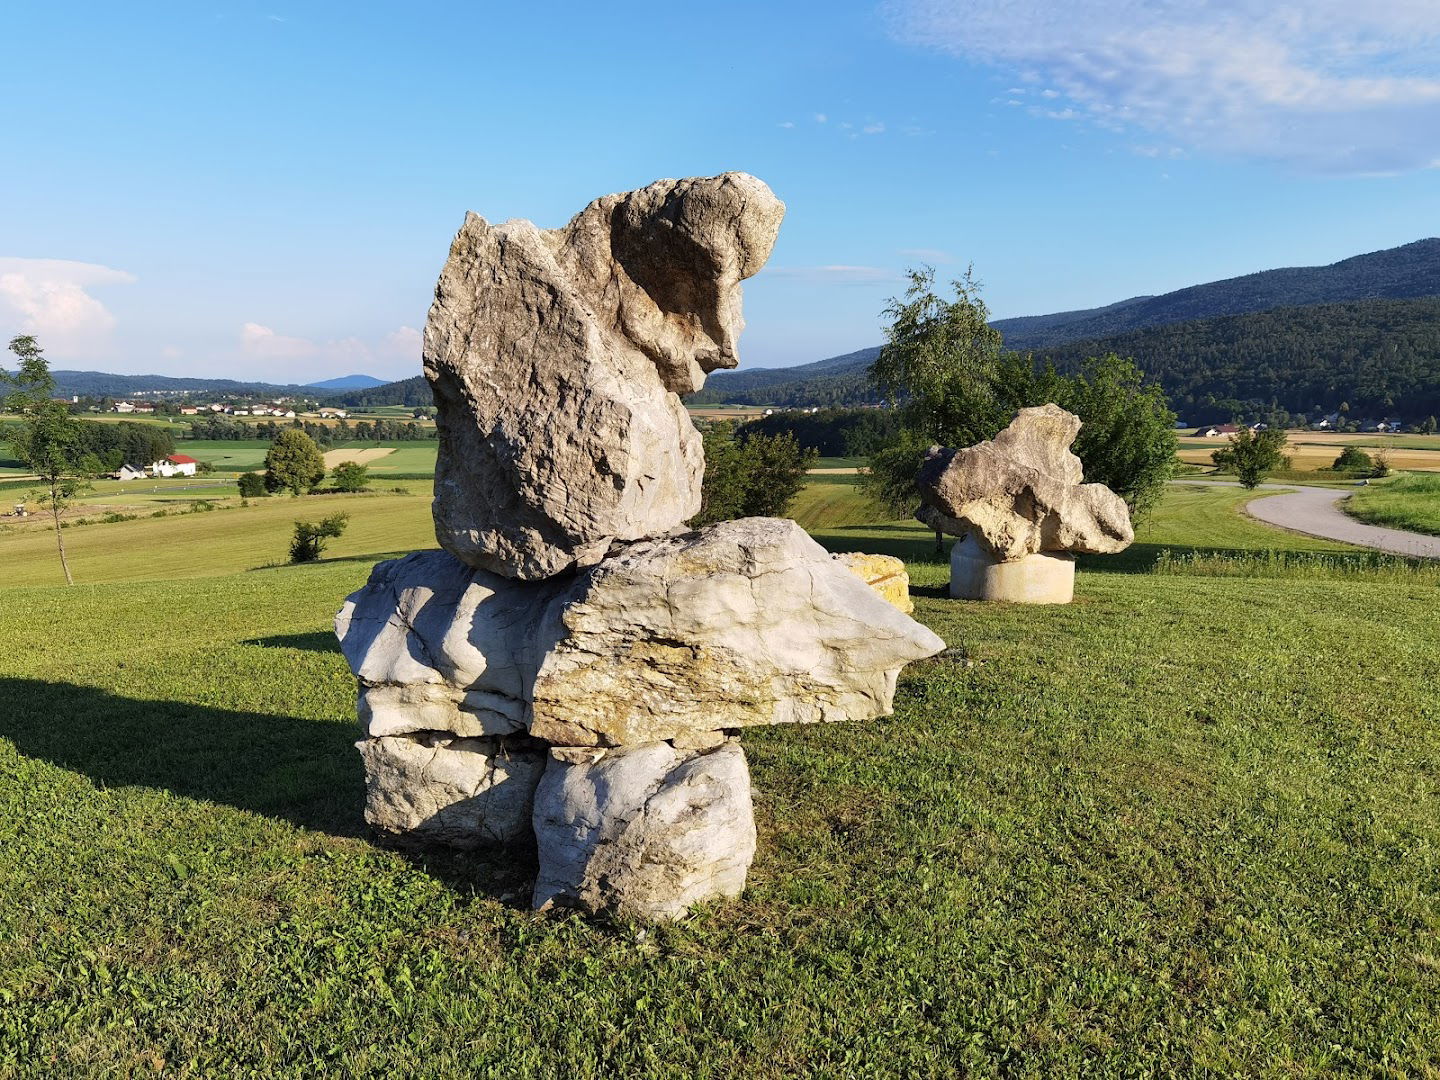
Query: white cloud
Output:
(403,344)
(820,118)
(873,129)
(835,274)
(786,124)
(1325,85)
(51,299)
(273,356)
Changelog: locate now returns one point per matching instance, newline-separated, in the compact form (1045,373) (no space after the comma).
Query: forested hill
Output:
(840,380)
(1401,273)
(1380,356)
(413,391)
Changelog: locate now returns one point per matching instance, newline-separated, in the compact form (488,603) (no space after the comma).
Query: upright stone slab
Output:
(556,358)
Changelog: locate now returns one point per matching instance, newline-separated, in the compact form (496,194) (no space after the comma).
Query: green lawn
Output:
(229,456)
(1411,501)
(1185,825)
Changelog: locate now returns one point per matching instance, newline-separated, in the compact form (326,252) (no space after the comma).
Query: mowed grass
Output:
(1407,502)
(1183,826)
(223,541)
(828,501)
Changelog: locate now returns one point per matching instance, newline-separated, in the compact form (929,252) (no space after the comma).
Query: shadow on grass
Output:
(319,641)
(306,772)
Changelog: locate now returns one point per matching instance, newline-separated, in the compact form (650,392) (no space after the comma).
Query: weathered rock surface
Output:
(643,832)
(556,356)
(434,789)
(1023,492)
(741,623)
(884,573)
(438,646)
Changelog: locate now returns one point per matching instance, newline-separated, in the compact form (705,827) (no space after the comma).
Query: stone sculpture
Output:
(1022,509)
(574,668)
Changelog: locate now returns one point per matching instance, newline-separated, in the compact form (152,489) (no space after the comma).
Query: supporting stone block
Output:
(431,788)
(644,832)
(1047,577)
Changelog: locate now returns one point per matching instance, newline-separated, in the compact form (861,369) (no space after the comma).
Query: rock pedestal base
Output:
(1047,577)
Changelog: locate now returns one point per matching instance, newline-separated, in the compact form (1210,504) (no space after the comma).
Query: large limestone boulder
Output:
(1022,492)
(742,623)
(434,789)
(738,624)
(644,832)
(555,357)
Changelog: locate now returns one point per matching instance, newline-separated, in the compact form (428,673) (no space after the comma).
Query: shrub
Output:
(252,485)
(350,476)
(310,537)
(1352,459)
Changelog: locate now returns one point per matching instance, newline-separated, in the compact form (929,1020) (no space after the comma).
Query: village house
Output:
(128,472)
(175,465)
(1218,431)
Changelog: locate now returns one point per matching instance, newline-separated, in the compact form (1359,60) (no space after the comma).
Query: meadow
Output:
(1406,502)
(1186,825)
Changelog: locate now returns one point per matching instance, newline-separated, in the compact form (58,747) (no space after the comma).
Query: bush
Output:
(310,538)
(252,485)
(1353,459)
(350,476)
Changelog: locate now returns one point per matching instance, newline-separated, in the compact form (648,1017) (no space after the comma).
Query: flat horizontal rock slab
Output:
(739,624)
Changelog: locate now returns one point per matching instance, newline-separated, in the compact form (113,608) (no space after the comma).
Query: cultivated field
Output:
(1314,450)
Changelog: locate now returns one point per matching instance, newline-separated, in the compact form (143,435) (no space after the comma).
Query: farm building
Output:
(175,465)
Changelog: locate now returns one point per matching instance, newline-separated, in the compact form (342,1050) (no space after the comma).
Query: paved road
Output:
(1316,512)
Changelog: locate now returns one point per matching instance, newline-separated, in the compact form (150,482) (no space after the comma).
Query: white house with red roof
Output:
(175,465)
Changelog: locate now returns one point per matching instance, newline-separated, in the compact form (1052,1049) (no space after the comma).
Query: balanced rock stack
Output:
(1021,509)
(573,669)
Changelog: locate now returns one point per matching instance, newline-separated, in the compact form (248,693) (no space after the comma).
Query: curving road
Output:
(1316,512)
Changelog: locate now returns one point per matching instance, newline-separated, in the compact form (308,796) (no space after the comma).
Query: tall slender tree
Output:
(49,439)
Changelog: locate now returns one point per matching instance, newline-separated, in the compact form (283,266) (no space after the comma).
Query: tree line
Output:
(225,429)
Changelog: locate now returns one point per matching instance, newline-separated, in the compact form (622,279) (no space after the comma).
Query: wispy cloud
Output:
(835,274)
(1324,85)
(267,351)
(51,298)
(786,124)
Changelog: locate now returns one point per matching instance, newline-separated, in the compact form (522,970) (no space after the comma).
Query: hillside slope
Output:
(1380,356)
(1402,273)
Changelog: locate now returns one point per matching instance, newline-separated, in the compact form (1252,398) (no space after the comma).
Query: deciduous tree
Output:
(293,463)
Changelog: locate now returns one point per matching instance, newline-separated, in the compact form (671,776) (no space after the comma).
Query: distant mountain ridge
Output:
(1401,273)
(348,382)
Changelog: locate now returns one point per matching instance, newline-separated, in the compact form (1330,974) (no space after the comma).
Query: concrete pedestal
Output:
(1045,578)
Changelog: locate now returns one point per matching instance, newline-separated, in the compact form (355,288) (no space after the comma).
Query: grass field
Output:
(1187,825)
(1405,502)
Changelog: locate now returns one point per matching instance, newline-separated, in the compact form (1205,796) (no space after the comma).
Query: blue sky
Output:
(268,191)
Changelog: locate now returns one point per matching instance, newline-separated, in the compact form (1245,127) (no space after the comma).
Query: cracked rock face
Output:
(643,832)
(742,623)
(1022,492)
(433,788)
(555,357)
